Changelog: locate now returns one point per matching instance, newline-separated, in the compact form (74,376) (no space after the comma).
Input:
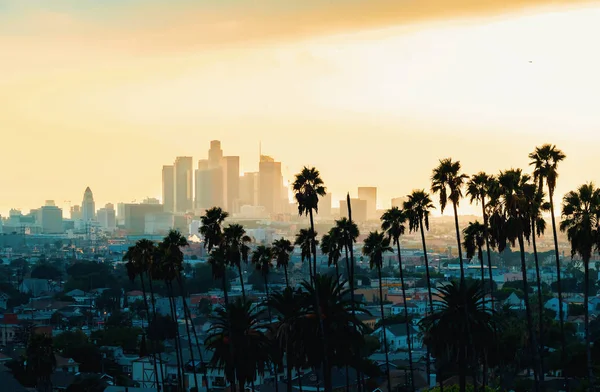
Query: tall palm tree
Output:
(237,324)
(262,259)
(447,331)
(447,180)
(41,361)
(236,242)
(211,229)
(308,187)
(473,241)
(282,251)
(304,239)
(581,222)
(480,189)
(376,244)
(330,246)
(512,225)
(393,223)
(348,233)
(545,160)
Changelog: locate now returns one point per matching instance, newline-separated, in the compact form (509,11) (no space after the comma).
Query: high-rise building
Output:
(231,171)
(369,194)
(399,201)
(76,213)
(359,209)
(209,186)
(107,217)
(168,187)
(249,189)
(50,219)
(325,206)
(135,216)
(270,184)
(215,154)
(88,206)
(182,174)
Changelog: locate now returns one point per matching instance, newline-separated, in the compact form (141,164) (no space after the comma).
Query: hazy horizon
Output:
(103,96)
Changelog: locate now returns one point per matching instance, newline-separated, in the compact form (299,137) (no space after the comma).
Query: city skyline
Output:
(107,106)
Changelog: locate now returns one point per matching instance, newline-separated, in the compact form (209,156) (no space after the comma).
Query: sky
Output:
(371,92)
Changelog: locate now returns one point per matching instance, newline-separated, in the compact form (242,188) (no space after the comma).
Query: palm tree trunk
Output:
(148,321)
(561,313)
(180,371)
(384,327)
(288,365)
(242,281)
(428,361)
(532,339)
(352,301)
(460,259)
(489,253)
(287,280)
(586,297)
(153,299)
(540,301)
(408,326)
(231,348)
(462,368)
(186,317)
(326,368)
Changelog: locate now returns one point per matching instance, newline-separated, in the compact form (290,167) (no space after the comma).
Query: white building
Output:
(397,338)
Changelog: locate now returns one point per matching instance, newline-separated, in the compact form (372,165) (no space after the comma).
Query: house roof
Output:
(135,293)
(62,361)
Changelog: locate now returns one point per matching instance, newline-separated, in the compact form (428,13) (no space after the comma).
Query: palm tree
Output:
(512,224)
(393,224)
(473,241)
(376,244)
(447,180)
(304,239)
(41,361)
(237,325)
(581,222)
(330,246)
(308,187)
(480,189)
(447,331)
(348,233)
(282,251)
(545,160)
(236,242)
(262,259)
(211,229)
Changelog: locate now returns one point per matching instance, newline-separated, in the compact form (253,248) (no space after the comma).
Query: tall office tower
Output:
(249,189)
(215,154)
(369,194)
(168,188)
(325,206)
(50,219)
(107,217)
(182,173)
(270,181)
(399,201)
(209,186)
(359,209)
(76,213)
(88,207)
(231,171)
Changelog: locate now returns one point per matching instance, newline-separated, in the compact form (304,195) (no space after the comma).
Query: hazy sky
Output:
(372,92)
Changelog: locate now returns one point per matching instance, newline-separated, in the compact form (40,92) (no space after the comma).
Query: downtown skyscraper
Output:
(168,188)
(183,184)
(270,185)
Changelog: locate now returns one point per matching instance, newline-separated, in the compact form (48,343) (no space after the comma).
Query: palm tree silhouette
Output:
(347,234)
(447,331)
(236,242)
(479,189)
(473,241)
(376,244)
(262,259)
(330,246)
(581,222)
(393,223)
(282,250)
(305,239)
(447,180)
(513,224)
(211,229)
(545,160)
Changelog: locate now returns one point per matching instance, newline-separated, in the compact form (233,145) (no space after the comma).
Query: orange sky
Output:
(371,92)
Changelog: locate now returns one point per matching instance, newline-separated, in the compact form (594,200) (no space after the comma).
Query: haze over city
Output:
(372,93)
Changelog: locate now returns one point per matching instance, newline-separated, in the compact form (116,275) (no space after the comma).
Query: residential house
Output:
(552,304)
(514,302)
(397,338)
(67,365)
(35,287)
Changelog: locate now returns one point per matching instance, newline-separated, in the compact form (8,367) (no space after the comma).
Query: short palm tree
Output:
(581,222)
(262,259)
(447,180)
(211,229)
(282,251)
(237,325)
(376,245)
(305,239)
(473,241)
(308,187)
(348,234)
(545,160)
(480,188)
(236,243)
(393,223)
(447,331)
(330,246)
